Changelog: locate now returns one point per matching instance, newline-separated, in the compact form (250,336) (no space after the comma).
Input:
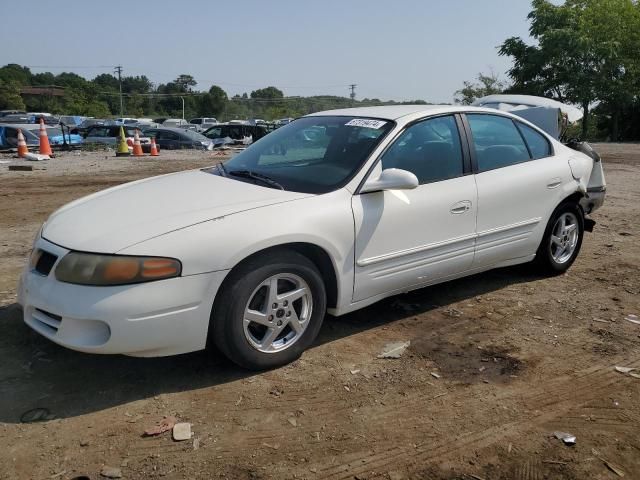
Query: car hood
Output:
(116,218)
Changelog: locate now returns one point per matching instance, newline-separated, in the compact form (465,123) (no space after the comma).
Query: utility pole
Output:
(118,70)
(352,95)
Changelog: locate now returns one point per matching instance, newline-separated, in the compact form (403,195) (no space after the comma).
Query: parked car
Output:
(238,133)
(178,138)
(252,253)
(86,124)
(9,136)
(17,118)
(203,123)
(57,137)
(71,121)
(31,132)
(4,113)
(174,122)
(110,134)
(126,121)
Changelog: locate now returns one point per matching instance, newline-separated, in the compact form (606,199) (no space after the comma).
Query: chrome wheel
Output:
(277,313)
(564,237)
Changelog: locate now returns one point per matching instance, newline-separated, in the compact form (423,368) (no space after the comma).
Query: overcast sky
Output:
(398,49)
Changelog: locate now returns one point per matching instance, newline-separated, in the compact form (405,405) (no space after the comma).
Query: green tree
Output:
(586,51)
(213,102)
(15,73)
(185,83)
(486,85)
(10,98)
(268,93)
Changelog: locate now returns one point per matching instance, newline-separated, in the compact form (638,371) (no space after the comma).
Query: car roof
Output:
(394,112)
(169,129)
(25,126)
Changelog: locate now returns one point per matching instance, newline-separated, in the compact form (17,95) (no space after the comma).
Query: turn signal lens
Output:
(121,270)
(109,270)
(153,268)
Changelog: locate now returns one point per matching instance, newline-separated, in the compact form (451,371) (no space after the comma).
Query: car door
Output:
(519,183)
(408,238)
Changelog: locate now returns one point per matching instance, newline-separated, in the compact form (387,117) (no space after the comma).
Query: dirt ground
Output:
(497,363)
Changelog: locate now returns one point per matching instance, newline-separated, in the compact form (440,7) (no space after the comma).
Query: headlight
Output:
(102,270)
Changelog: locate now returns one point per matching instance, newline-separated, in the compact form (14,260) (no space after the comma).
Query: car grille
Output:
(48,320)
(45,263)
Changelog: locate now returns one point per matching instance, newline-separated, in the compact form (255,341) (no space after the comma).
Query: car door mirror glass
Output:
(391,179)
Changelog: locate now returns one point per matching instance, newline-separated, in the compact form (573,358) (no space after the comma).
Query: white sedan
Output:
(330,213)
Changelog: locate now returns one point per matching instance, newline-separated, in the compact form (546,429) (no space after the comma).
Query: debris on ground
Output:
(21,168)
(292,421)
(165,425)
(611,466)
(181,431)
(628,371)
(625,369)
(435,375)
(196,443)
(111,472)
(354,372)
(394,349)
(567,438)
(633,319)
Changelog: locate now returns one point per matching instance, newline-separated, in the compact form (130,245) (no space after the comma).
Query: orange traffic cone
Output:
(45,148)
(154,148)
(137,148)
(22,145)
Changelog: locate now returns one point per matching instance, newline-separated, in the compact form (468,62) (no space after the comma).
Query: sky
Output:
(398,49)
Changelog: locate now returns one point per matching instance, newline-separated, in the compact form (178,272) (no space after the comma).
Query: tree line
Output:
(100,97)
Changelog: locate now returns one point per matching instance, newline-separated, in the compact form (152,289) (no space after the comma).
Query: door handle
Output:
(461,207)
(554,183)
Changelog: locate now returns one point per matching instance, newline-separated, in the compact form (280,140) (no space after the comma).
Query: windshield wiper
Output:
(256,176)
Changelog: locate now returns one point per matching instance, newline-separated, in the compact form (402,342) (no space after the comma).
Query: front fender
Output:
(325,221)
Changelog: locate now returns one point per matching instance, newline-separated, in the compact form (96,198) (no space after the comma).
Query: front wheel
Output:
(562,239)
(269,310)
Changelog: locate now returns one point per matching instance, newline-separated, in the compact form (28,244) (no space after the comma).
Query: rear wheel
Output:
(562,239)
(269,310)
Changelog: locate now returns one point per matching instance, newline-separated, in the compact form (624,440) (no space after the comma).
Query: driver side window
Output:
(430,149)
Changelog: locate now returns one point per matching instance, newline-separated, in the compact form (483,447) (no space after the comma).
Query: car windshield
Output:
(313,154)
(51,132)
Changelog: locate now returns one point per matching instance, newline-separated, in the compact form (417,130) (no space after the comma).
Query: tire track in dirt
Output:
(561,395)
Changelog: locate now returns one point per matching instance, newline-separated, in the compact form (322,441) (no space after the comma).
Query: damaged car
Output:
(328,214)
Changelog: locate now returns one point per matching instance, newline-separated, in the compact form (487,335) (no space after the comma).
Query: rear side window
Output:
(538,144)
(429,149)
(497,142)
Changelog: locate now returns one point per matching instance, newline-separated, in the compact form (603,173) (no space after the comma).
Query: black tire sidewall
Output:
(228,320)
(544,252)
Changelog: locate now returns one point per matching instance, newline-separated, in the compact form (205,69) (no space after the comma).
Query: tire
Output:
(246,295)
(559,248)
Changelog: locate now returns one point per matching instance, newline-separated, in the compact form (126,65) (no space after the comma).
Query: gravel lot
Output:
(515,357)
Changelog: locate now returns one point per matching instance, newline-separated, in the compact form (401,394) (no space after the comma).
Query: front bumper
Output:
(165,317)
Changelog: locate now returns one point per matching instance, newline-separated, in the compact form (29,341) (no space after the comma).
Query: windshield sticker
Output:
(366,123)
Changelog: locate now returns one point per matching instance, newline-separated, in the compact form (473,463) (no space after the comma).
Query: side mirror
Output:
(391,179)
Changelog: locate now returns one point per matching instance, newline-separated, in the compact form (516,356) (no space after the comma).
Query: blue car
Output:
(31,132)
